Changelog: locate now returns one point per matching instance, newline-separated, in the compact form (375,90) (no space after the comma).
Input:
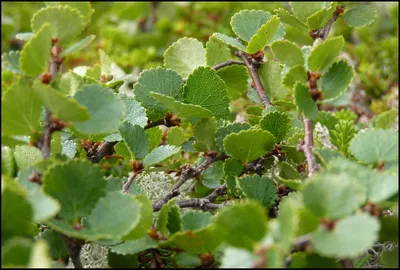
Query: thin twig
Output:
(253,69)
(200,204)
(155,123)
(324,32)
(128,183)
(308,146)
(228,63)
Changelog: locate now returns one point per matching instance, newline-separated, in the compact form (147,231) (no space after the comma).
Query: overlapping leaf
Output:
(271,79)
(277,123)
(258,188)
(304,101)
(160,154)
(323,55)
(246,23)
(360,16)
(263,36)
(216,51)
(287,53)
(236,80)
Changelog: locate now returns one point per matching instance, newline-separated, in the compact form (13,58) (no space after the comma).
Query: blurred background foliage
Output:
(136,34)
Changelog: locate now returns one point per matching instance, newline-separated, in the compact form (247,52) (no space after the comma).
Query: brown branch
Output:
(74,247)
(106,149)
(128,183)
(154,123)
(199,204)
(308,147)
(253,69)
(228,63)
(323,32)
(187,173)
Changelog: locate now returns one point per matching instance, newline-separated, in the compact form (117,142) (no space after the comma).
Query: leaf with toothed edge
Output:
(304,10)
(278,123)
(224,131)
(236,80)
(295,74)
(304,101)
(323,54)
(258,188)
(160,154)
(321,18)
(360,16)
(216,51)
(271,78)
(287,53)
(230,41)
(136,139)
(263,36)
(246,23)
(79,45)
(289,19)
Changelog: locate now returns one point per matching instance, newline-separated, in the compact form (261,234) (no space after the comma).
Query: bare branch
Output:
(199,204)
(323,33)
(308,147)
(128,183)
(228,63)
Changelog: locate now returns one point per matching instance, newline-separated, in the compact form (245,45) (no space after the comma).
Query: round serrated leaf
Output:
(212,176)
(35,54)
(289,19)
(194,220)
(295,74)
(333,196)
(135,113)
(246,23)
(237,258)
(247,145)
(303,10)
(206,89)
(287,53)
(230,41)
(176,136)
(323,55)
(160,154)
(263,36)
(216,51)
(383,146)
(304,101)
(182,110)
(224,131)
(271,78)
(84,8)
(185,55)
(77,185)
(258,188)
(162,81)
(66,22)
(136,139)
(106,110)
(349,238)
(236,80)
(204,131)
(336,80)
(360,16)
(277,123)
(321,18)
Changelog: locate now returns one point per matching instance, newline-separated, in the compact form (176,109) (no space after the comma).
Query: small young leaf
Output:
(66,22)
(263,36)
(289,19)
(155,136)
(360,16)
(35,55)
(161,81)
(176,136)
(295,74)
(321,18)
(258,188)
(287,171)
(216,51)
(277,123)
(246,23)
(383,146)
(323,55)
(206,89)
(204,131)
(160,154)
(236,80)
(230,41)
(336,80)
(287,53)
(79,45)
(248,145)
(136,139)
(351,236)
(223,131)
(184,56)
(304,102)
(181,109)
(342,134)
(106,113)
(271,78)
(232,168)
(385,120)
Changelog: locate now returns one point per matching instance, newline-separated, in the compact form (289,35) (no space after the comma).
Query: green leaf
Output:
(224,131)
(287,53)
(185,259)
(333,196)
(350,237)
(13,200)
(389,229)
(122,261)
(312,260)
(342,134)
(236,80)
(295,74)
(204,131)
(27,156)
(84,8)
(232,168)
(216,51)
(185,55)
(383,146)
(182,110)
(212,176)
(136,139)
(206,89)
(325,155)
(360,16)
(146,219)
(248,145)
(162,81)
(327,119)
(194,220)
(60,106)
(176,136)
(263,36)
(287,171)
(230,41)
(16,252)
(237,257)
(79,194)
(58,251)
(321,18)
(323,54)
(10,61)
(135,246)
(286,17)
(155,136)
(246,221)
(304,101)
(385,120)
(258,188)
(66,22)
(288,220)
(293,154)
(79,45)
(390,259)
(105,63)
(44,206)
(40,255)
(160,154)
(7,161)
(271,78)
(304,10)
(106,113)
(109,219)
(35,55)
(277,123)
(168,218)
(246,23)
(338,78)
(135,113)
